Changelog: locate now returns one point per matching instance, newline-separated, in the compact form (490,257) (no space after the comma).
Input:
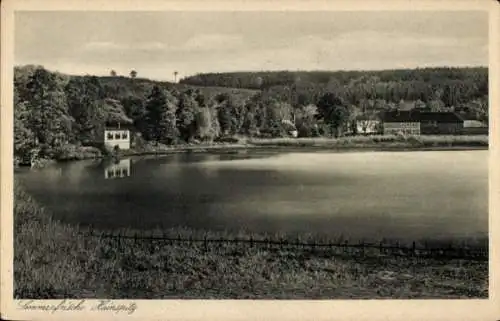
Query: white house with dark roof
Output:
(117,135)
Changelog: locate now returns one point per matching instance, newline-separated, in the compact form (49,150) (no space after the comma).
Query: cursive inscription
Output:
(64,305)
(78,305)
(109,305)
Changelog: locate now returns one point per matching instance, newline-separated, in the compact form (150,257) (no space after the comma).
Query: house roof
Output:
(441,117)
(116,126)
(374,117)
(406,105)
(398,116)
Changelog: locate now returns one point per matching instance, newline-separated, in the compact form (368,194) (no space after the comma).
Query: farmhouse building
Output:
(117,135)
(401,121)
(422,123)
(475,127)
(444,123)
(367,124)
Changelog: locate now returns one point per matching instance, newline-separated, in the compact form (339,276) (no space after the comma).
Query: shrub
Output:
(74,152)
(228,139)
(415,140)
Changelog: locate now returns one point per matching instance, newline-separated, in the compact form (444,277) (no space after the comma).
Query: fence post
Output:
(413,248)
(380,248)
(119,239)
(251,241)
(205,244)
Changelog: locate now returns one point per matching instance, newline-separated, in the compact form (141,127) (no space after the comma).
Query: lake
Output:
(370,195)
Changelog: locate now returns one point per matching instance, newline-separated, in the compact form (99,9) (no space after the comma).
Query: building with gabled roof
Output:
(401,121)
(414,122)
(440,123)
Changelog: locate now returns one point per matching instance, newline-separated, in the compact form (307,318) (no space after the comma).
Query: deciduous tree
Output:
(333,111)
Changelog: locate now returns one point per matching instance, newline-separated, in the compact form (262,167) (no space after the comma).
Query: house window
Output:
(124,135)
(117,135)
(110,135)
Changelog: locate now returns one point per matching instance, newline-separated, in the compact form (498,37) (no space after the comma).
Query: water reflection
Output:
(119,169)
(369,195)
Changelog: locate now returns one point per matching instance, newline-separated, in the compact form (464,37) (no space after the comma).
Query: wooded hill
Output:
(53,111)
(452,86)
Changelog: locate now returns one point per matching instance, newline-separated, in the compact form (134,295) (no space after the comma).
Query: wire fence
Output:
(335,248)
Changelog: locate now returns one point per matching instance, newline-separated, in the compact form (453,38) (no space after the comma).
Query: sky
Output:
(156,44)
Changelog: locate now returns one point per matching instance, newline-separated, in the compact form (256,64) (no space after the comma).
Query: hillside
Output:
(120,87)
(54,110)
(452,86)
(266,79)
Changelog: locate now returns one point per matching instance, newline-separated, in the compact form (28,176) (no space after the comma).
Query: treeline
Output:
(54,111)
(452,86)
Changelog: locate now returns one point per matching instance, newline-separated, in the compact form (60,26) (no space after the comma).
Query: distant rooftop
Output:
(441,117)
(397,116)
(114,125)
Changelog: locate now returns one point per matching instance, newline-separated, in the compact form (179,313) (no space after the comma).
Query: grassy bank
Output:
(380,142)
(392,142)
(54,260)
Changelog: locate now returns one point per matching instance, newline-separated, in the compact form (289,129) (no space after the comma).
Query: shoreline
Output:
(320,144)
(373,143)
(237,148)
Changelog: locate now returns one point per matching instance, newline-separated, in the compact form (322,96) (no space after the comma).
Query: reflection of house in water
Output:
(118,170)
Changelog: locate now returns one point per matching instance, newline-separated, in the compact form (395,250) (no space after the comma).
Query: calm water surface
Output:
(405,195)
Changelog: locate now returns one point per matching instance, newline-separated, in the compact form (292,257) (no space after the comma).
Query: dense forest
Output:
(54,112)
(446,86)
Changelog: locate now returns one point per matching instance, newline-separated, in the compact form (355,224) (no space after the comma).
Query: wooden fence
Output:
(334,248)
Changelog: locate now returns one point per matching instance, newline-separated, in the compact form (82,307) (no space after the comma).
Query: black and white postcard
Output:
(250,160)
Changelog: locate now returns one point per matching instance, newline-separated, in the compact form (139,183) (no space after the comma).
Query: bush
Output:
(228,139)
(415,140)
(74,152)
